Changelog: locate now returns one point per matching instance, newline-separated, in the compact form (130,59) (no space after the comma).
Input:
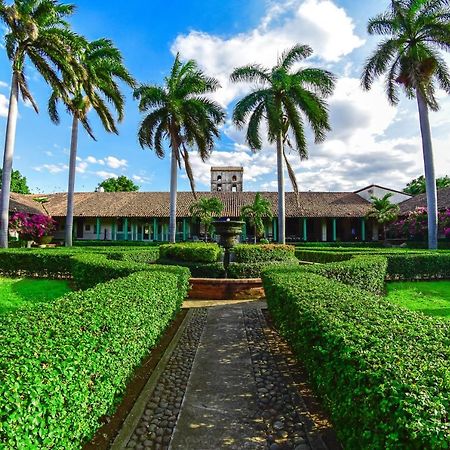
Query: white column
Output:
(375,231)
(324,230)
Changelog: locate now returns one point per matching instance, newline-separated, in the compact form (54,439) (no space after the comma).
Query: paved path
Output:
(230,383)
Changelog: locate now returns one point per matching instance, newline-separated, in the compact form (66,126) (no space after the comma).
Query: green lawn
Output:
(430,297)
(15,292)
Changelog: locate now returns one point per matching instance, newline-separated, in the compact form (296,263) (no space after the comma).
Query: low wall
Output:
(226,289)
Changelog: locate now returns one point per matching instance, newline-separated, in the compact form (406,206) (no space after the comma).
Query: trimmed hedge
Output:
(65,364)
(251,253)
(382,371)
(402,264)
(191,252)
(254,270)
(198,270)
(146,256)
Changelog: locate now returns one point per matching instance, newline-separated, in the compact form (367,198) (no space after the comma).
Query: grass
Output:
(17,292)
(429,297)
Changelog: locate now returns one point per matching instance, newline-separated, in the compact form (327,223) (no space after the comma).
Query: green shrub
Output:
(254,270)
(95,243)
(319,256)
(191,252)
(64,365)
(255,253)
(198,270)
(147,256)
(381,370)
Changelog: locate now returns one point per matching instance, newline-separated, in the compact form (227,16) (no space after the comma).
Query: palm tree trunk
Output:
(173,191)
(71,186)
(8,160)
(281,199)
(430,177)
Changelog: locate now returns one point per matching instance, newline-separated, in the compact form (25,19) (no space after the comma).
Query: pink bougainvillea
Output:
(31,226)
(415,224)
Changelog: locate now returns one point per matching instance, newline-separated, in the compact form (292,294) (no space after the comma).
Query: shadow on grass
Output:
(437,312)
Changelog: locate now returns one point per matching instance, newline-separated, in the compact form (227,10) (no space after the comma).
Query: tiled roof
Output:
(24,203)
(156,204)
(421,200)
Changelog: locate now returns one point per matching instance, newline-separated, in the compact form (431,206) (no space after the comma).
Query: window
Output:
(87,227)
(120,226)
(219,187)
(234,178)
(234,188)
(219,177)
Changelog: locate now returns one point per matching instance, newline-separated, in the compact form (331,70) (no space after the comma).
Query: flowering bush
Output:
(415,224)
(31,226)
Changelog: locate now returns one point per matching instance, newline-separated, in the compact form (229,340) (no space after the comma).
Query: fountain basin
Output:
(226,289)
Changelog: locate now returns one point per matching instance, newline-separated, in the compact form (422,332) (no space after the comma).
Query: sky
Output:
(370,141)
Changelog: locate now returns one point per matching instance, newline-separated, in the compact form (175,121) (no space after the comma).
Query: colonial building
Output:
(227,179)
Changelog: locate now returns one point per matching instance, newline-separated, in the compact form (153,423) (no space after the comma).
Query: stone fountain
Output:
(228,231)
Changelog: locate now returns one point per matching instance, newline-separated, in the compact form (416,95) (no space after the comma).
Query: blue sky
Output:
(370,141)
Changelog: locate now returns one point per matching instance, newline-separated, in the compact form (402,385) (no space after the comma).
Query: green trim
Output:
(98,226)
(363,229)
(125,228)
(244,232)
(113,232)
(305,229)
(185,235)
(275,230)
(155,229)
(334,230)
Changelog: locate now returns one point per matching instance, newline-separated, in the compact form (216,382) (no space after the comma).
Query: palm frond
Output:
(293,55)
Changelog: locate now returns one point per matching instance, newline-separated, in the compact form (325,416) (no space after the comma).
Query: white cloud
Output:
(52,168)
(82,166)
(115,163)
(140,179)
(3,84)
(319,23)
(93,160)
(104,174)
(4,103)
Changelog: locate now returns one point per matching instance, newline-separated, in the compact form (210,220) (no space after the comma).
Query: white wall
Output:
(376,191)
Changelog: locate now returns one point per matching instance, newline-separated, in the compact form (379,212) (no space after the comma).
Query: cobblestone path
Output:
(231,383)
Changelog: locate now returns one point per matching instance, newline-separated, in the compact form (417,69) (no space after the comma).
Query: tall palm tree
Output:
(36,32)
(180,112)
(205,210)
(415,32)
(282,99)
(96,89)
(383,211)
(255,214)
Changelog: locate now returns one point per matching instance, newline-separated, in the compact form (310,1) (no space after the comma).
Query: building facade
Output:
(227,179)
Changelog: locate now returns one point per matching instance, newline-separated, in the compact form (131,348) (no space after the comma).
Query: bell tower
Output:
(227,179)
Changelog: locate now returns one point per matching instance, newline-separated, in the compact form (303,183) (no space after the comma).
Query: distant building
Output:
(375,190)
(227,179)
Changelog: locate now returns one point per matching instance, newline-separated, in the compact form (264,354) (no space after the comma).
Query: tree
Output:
(95,88)
(180,112)
(119,184)
(36,33)
(383,211)
(281,99)
(205,210)
(255,214)
(18,182)
(418,185)
(415,32)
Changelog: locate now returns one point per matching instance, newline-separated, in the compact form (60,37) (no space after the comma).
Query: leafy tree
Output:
(180,112)
(418,185)
(282,99)
(37,34)
(18,182)
(119,184)
(205,210)
(415,32)
(255,214)
(94,88)
(383,211)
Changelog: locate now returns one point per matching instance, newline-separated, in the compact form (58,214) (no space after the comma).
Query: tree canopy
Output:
(119,184)
(205,210)
(418,185)
(18,182)
(255,214)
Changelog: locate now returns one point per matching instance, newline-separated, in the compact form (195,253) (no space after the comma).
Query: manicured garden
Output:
(18,292)
(431,297)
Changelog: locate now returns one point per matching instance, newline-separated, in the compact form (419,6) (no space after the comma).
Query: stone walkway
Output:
(230,383)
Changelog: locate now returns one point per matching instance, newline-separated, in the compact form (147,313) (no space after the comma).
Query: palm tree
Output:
(283,98)
(36,32)
(383,211)
(205,210)
(255,214)
(415,31)
(96,89)
(180,112)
